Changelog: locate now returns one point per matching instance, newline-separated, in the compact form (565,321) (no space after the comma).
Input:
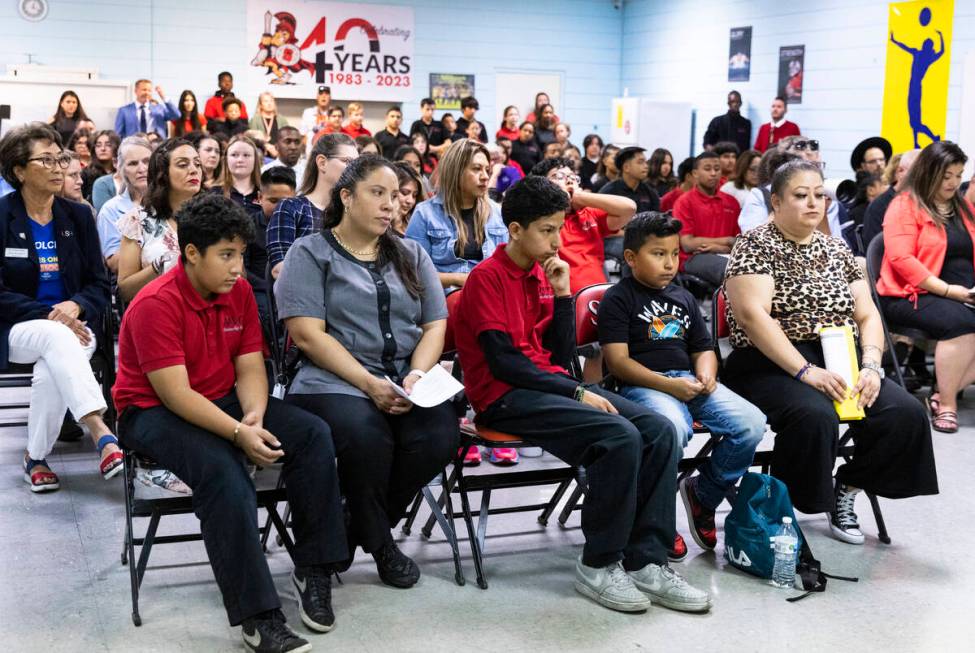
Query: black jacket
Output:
(79,257)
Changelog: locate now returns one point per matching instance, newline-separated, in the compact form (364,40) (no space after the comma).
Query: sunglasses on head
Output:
(811,145)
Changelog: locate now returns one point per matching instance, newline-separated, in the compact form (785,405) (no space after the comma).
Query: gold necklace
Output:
(338,239)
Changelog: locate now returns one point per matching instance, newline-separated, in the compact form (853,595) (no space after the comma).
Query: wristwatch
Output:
(876,368)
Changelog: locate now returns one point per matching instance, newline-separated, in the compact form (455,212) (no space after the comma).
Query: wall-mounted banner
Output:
(916,77)
(740,54)
(362,51)
(447,90)
(791,65)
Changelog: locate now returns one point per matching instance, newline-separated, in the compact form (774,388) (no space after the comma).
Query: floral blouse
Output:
(811,281)
(155,237)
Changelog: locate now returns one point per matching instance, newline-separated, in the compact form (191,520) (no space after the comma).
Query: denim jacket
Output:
(434,230)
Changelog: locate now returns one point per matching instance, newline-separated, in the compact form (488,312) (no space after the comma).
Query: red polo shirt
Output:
(354,132)
(670,198)
(582,247)
(213,109)
(169,323)
(769,135)
(714,216)
(500,296)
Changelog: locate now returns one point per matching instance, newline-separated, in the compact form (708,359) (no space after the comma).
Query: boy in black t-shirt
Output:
(656,344)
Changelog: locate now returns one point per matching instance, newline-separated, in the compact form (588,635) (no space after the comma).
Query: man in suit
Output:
(143,115)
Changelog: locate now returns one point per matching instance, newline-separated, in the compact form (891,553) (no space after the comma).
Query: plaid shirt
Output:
(293,218)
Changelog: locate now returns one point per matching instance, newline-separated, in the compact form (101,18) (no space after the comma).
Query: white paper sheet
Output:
(436,387)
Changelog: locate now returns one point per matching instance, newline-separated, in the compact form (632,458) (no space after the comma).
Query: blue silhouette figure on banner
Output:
(922,60)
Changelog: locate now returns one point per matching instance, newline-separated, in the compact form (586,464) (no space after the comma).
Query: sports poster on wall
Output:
(791,64)
(447,90)
(916,75)
(362,51)
(740,54)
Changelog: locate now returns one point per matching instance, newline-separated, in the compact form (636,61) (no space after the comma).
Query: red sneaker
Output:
(473,457)
(504,456)
(699,518)
(679,551)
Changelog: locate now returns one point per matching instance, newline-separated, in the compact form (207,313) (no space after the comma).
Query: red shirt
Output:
(714,216)
(214,109)
(500,296)
(769,135)
(188,125)
(582,247)
(510,134)
(670,198)
(169,323)
(354,132)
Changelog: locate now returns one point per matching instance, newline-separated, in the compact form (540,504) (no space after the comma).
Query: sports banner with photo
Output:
(916,76)
(740,54)
(362,51)
(791,64)
(448,90)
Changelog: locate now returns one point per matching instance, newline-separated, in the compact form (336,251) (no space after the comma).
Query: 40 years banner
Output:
(363,52)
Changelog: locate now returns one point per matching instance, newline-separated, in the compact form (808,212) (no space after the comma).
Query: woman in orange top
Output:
(927,279)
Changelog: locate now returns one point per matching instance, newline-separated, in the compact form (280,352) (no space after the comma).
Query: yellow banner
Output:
(916,79)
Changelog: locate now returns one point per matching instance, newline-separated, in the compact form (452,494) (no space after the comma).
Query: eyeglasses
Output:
(563,176)
(812,146)
(344,159)
(50,162)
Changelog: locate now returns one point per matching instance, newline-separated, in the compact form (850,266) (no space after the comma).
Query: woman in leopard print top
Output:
(783,281)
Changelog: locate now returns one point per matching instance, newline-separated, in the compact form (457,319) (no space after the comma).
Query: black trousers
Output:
(893,456)
(225,501)
(630,461)
(384,459)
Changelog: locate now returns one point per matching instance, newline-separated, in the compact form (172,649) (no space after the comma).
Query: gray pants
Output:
(709,267)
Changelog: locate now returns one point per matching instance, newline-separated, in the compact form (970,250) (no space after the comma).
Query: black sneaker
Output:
(314,586)
(395,568)
(843,523)
(270,634)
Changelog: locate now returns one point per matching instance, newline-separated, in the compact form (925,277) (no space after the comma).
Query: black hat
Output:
(860,150)
(324,89)
(626,154)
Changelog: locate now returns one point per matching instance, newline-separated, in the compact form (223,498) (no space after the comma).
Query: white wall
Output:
(185,43)
(678,50)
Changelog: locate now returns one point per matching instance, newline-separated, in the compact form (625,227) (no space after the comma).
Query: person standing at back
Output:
(391,138)
(731,126)
(431,129)
(214,109)
(143,115)
(772,132)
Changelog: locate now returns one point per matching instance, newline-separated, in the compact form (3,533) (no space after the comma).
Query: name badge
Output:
(15,252)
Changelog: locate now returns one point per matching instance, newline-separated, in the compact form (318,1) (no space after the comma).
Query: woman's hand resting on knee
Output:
(67,314)
(386,399)
(868,386)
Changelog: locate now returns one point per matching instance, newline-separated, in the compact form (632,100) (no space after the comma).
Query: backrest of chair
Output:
(875,258)
(453,299)
(719,316)
(587,310)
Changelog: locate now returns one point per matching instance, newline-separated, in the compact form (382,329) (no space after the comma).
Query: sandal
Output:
(946,422)
(934,403)
(111,463)
(40,481)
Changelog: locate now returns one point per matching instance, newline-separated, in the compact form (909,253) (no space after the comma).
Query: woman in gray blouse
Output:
(362,304)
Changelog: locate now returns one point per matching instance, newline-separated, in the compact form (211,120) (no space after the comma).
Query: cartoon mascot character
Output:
(279,51)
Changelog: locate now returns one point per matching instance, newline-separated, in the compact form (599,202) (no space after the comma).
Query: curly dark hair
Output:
(391,250)
(545,166)
(209,218)
(156,200)
(532,198)
(16,146)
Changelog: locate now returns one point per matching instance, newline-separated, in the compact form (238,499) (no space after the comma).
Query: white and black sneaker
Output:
(843,520)
(314,588)
(269,633)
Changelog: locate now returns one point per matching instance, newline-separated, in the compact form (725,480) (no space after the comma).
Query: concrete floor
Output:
(62,587)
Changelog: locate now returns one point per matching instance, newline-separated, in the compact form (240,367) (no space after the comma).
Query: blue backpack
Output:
(756,516)
(760,505)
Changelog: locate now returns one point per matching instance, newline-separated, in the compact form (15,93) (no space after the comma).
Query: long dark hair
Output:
(741,167)
(156,199)
(114,141)
(327,146)
(391,250)
(926,174)
(79,114)
(193,116)
(656,163)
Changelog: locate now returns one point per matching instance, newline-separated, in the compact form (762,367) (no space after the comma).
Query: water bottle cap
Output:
(787,520)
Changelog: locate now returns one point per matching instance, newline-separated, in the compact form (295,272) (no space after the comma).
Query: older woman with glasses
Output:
(52,285)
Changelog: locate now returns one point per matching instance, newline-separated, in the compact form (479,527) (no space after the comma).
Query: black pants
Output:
(225,501)
(630,461)
(893,456)
(384,459)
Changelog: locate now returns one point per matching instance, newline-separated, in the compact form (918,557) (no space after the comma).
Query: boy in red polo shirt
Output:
(591,218)
(710,220)
(354,127)
(514,329)
(192,394)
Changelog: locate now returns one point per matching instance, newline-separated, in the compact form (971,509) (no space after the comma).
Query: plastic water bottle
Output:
(785,544)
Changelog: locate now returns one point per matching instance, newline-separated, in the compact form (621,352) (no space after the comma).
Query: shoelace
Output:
(618,575)
(845,515)
(670,574)
(393,558)
(277,630)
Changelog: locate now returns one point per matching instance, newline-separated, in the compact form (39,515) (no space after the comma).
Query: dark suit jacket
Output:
(79,257)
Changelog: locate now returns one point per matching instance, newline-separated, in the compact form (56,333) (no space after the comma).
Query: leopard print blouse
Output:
(812,281)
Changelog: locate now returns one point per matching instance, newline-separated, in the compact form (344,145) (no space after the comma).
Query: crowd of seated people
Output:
(201,219)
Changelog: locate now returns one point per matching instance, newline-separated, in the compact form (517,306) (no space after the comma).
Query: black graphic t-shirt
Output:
(662,327)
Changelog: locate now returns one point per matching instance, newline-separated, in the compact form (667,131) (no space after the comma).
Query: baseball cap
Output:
(324,89)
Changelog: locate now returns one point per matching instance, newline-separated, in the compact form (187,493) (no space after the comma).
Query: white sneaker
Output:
(531,452)
(610,587)
(666,587)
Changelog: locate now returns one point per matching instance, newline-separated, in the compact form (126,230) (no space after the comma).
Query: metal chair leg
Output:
(446,525)
(571,504)
(554,502)
(411,514)
(879,516)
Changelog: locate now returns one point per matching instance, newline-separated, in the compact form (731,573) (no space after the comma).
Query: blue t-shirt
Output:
(50,290)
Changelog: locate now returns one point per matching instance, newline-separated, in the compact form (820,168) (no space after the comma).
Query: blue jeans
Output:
(739,424)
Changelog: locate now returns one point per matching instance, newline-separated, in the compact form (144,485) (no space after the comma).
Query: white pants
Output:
(62,380)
